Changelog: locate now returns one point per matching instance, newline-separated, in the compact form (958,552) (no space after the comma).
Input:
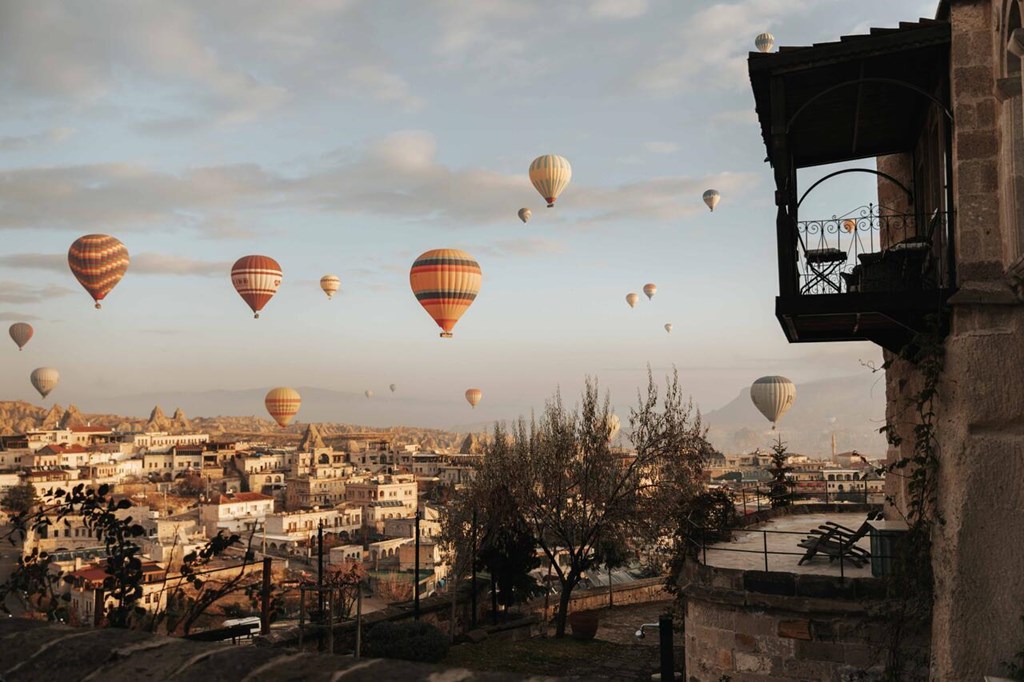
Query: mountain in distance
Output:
(857,403)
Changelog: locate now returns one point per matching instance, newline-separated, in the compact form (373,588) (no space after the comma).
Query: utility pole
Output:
(472,559)
(320,566)
(416,582)
(265,601)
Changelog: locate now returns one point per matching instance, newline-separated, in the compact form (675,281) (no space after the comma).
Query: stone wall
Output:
(978,552)
(753,625)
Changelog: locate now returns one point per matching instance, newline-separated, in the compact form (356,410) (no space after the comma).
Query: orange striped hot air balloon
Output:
(330,284)
(256,279)
(473,396)
(283,403)
(98,262)
(550,174)
(445,282)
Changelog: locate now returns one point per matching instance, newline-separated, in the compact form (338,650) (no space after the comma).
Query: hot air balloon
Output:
(445,282)
(773,395)
(764,42)
(473,396)
(98,262)
(613,426)
(650,289)
(21,332)
(368,393)
(668,327)
(849,225)
(524,214)
(256,279)
(632,298)
(550,174)
(393,387)
(711,198)
(330,284)
(45,379)
(283,403)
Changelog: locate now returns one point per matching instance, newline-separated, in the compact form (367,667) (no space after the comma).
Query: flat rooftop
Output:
(788,551)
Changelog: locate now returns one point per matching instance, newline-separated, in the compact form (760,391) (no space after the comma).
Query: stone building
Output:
(938,103)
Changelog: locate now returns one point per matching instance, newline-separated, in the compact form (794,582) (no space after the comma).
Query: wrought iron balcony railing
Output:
(871,249)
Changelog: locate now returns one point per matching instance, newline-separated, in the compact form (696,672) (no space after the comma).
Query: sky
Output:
(349,136)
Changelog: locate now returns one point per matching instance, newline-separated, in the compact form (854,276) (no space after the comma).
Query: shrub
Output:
(416,641)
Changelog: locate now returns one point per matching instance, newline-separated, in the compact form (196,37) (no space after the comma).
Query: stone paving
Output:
(752,540)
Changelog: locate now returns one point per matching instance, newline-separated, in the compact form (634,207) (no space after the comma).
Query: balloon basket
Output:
(446,335)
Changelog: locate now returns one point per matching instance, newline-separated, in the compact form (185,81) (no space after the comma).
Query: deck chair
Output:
(812,544)
(834,545)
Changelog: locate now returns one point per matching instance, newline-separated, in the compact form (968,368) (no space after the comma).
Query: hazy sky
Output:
(347,137)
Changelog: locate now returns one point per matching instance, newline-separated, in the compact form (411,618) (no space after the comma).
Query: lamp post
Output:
(416,580)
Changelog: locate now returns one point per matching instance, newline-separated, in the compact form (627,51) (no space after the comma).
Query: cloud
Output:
(141,264)
(18,317)
(47,137)
(379,83)
(528,246)
(617,9)
(710,48)
(18,292)
(661,147)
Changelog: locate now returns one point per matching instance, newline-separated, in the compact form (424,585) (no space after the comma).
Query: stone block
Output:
(724,659)
(755,623)
(972,82)
(752,663)
(795,629)
(745,642)
(979,144)
(769,582)
(821,651)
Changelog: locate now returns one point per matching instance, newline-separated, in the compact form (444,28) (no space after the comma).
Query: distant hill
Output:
(857,402)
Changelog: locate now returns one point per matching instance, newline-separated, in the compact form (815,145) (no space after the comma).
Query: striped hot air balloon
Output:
(98,262)
(474,396)
(711,197)
(21,332)
(283,403)
(44,379)
(524,214)
(772,396)
(256,279)
(764,42)
(445,282)
(632,298)
(330,284)
(550,174)
(650,289)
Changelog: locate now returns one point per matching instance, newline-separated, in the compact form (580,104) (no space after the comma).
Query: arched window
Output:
(831,477)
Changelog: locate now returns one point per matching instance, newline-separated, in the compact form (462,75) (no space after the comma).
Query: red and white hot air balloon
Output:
(650,289)
(256,279)
(474,396)
(21,332)
(98,262)
(283,404)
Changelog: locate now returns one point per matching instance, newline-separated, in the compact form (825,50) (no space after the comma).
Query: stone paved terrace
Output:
(32,651)
(753,540)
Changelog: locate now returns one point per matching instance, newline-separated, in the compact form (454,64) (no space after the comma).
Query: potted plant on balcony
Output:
(584,624)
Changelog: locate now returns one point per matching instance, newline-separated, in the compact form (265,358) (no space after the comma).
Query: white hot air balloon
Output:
(368,393)
(45,379)
(632,298)
(650,289)
(613,426)
(524,214)
(330,284)
(668,327)
(772,396)
(711,197)
(764,42)
(550,174)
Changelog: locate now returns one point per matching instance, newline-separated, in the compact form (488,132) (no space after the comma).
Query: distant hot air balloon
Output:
(613,426)
(330,284)
(256,279)
(98,262)
(445,282)
(849,225)
(764,42)
(650,289)
(283,403)
(711,198)
(21,332)
(830,420)
(45,379)
(632,298)
(473,396)
(773,395)
(393,387)
(550,174)
(668,327)
(524,214)
(368,393)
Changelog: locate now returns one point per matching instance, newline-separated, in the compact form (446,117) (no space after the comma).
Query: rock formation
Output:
(71,417)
